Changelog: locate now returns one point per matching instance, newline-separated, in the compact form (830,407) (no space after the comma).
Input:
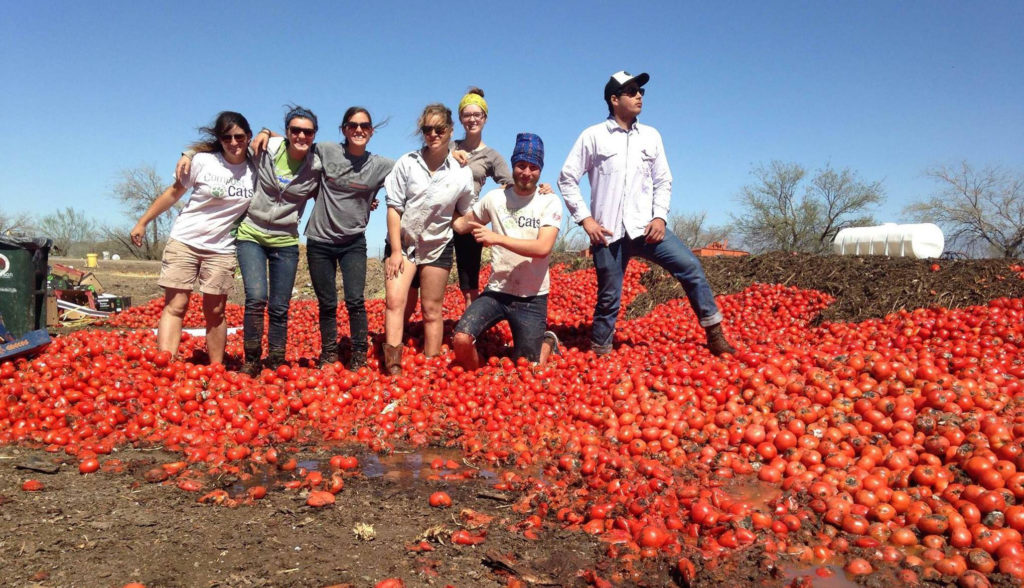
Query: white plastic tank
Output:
(920,241)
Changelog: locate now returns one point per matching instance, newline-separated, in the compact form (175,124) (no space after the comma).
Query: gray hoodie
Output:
(276,209)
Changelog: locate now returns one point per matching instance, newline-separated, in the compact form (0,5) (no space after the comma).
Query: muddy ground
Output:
(112,528)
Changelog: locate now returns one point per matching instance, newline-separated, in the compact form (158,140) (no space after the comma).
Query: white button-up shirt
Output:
(427,202)
(630,183)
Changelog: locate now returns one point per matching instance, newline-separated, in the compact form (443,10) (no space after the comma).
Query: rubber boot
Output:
(393,359)
(357,360)
(275,358)
(328,355)
(717,343)
(253,353)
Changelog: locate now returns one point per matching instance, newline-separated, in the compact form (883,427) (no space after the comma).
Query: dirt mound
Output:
(864,287)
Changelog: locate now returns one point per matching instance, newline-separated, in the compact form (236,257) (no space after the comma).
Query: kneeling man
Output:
(524,226)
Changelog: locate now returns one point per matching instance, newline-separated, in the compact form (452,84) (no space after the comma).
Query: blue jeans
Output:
(254,260)
(324,259)
(527,317)
(673,255)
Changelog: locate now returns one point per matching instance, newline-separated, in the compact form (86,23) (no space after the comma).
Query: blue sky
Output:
(884,88)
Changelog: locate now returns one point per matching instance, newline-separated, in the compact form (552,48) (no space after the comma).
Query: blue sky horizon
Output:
(885,89)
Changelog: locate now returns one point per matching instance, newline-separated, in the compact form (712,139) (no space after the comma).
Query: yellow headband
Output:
(473,99)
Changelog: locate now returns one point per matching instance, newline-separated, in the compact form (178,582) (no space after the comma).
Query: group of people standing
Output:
(249,193)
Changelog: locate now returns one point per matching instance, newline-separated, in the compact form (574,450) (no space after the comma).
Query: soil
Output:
(115,527)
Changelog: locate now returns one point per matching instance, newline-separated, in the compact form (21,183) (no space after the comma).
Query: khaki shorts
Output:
(183,264)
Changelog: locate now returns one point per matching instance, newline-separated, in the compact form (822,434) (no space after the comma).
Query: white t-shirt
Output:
(221,193)
(519,217)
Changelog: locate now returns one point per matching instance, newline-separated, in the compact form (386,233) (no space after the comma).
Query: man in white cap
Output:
(630,190)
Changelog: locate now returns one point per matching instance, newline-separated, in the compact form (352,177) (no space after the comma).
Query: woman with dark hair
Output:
(201,246)
(336,231)
(287,176)
(424,190)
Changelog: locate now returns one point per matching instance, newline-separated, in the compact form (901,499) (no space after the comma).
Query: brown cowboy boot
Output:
(717,343)
(393,359)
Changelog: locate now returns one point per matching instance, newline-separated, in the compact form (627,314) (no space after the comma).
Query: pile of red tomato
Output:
(147,315)
(897,441)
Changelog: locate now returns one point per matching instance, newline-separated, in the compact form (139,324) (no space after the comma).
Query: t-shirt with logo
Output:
(221,193)
(519,217)
(286,167)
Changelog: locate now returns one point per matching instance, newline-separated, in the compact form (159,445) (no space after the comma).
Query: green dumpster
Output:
(23,269)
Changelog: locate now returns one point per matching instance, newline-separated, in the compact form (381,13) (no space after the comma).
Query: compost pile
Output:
(870,425)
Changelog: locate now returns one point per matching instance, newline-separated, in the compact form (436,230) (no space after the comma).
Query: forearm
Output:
(162,203)
(464,224)
(540,247)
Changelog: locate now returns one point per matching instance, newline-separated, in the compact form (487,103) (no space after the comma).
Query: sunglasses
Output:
(351,126)
(302,131)
(631,91)
(235,138)
(435,129)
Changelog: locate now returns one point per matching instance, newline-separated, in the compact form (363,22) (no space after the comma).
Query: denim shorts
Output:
(527,318)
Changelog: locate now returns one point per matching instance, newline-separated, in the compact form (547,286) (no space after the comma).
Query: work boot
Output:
(357,360)
(328,355)
(393,359)
(275,358)
(253,352)
(717,344)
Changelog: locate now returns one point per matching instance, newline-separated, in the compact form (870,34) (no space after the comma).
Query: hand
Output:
(595,231)
(654,232)
(137,233)
(483,235)
(182,169)
(393,265)
(374,203)
(544,188)
(259,142)
(461,156)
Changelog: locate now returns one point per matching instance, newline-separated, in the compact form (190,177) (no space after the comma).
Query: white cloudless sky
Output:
(886,89)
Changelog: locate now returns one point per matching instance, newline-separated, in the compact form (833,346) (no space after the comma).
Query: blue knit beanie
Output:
(529,148)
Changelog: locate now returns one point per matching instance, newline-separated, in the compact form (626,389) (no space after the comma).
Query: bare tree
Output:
(136,190)
(67,228)
(572,238)
(692,230)
(778,217)
(978,209)
(15,223)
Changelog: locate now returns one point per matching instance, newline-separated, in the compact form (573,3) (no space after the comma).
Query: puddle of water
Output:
(749,489)
(405,467)
(838,579)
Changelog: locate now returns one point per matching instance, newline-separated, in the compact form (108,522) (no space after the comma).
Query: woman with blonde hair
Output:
(425,190)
